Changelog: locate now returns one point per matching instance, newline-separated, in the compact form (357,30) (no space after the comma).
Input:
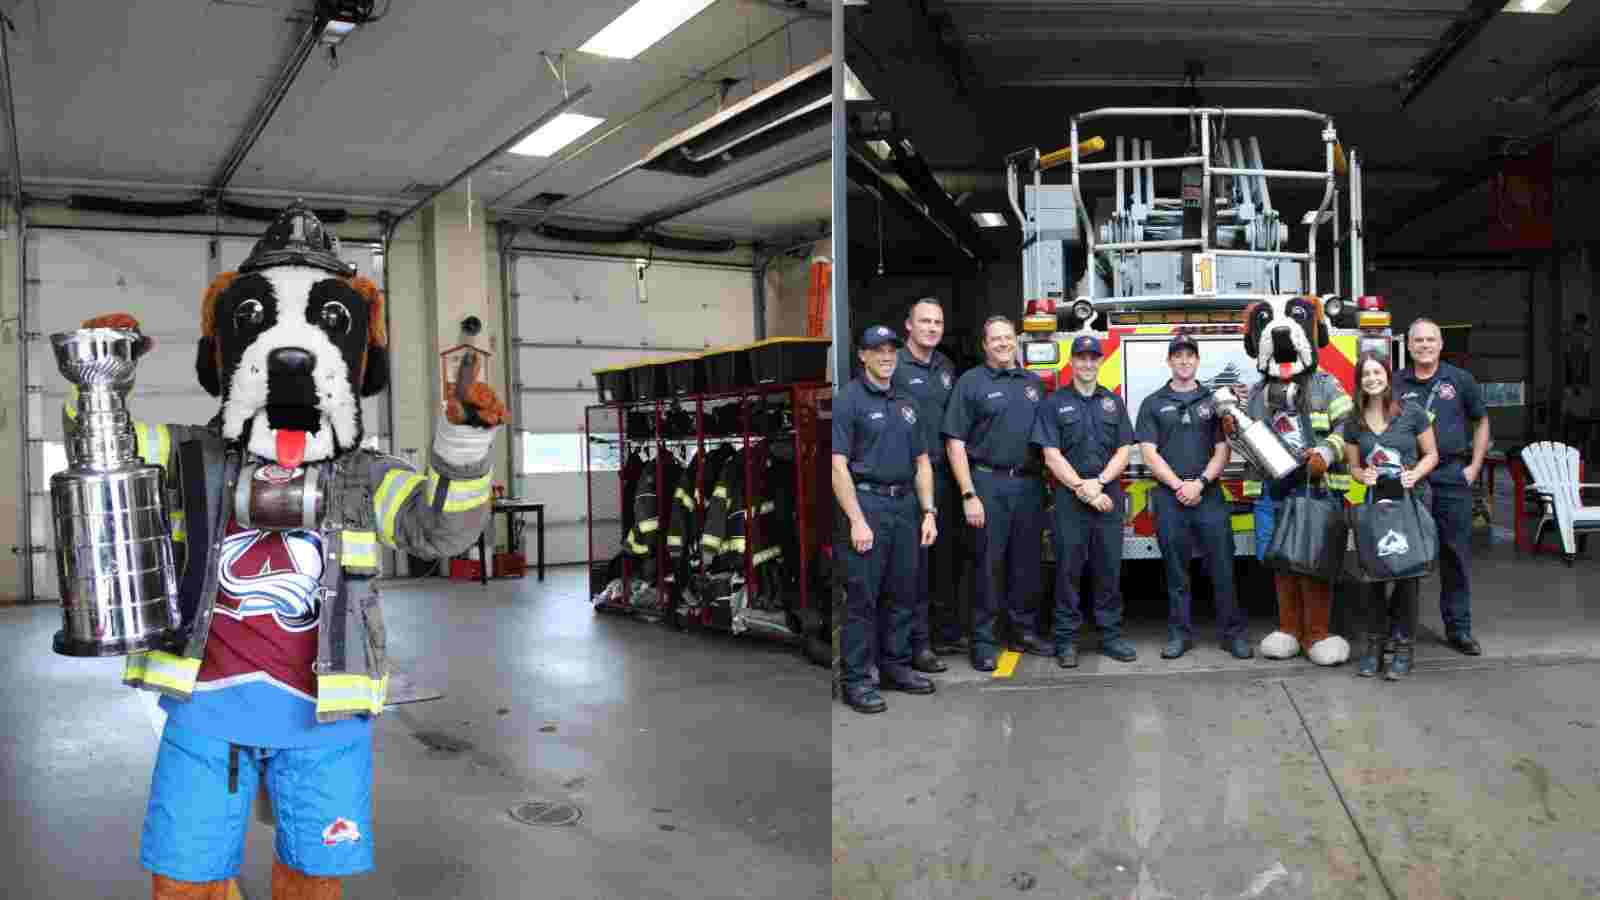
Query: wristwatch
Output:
(1205,480)
(931,511)
(968,495)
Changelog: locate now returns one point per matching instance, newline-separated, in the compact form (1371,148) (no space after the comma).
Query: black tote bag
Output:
(1395,539)
(1309,536)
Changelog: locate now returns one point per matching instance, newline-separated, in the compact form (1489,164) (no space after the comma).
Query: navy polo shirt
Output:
(929,385)
(1184,427)
(879,430)
(1087,430)
(1454,404)
(993,412)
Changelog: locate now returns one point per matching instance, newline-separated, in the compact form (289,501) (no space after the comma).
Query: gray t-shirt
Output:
(1395,448)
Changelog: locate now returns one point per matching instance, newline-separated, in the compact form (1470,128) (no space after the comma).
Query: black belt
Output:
(1014,471)
(887,490)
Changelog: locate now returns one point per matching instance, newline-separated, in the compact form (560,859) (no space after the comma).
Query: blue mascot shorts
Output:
(200,807)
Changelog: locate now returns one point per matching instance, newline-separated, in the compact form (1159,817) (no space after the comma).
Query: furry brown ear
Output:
(375,371)
(1251,338)
(377,324)
(210,370)
(1319,333)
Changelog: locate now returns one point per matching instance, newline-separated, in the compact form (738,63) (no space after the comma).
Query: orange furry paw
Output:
(483,408)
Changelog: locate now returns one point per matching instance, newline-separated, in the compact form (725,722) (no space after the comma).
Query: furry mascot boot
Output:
(1306,408)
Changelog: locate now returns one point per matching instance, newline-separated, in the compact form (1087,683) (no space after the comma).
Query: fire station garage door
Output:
(158,278)
(578,314)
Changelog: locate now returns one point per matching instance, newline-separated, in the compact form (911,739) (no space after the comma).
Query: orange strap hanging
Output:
(817,297)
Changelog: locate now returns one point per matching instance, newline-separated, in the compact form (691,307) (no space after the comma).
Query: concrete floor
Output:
(700,762)
(1210,777)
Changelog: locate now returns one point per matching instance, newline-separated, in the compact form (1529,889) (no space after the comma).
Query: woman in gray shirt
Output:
(1385,440)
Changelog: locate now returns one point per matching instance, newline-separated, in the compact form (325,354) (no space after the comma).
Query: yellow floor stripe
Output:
(1007,663)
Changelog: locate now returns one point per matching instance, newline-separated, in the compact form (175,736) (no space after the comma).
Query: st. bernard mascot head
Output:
(291,342)
(1284,333)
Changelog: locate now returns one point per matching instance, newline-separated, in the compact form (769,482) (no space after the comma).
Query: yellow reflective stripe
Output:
(733,545)
(684,498)
(71,403)
(152,441)
(360,550)
(351,693)
(1252,488)
(634,546)
(674,540)
(180,528)
(1335,440)
(711,542)
(1340,406)
(396,486)
(768,506)
(162,669)
(1319,420)
(769,553)
(647,526)
(463,495)
(721,491)
(1339,482)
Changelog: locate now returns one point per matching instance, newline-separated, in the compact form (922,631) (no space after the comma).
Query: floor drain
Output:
(550,815)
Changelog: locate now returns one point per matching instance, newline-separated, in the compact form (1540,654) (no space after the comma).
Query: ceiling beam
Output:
(1461,34)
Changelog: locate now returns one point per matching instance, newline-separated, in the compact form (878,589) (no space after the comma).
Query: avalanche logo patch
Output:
(945,377)
(916,381)
(1032,393)
(272,473)
(1393,544)
(1108,404)
(1447,391)
(341,831)
(909,414)
(1205,412)
(271,573)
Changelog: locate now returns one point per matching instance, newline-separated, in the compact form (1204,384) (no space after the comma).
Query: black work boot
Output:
(927,661)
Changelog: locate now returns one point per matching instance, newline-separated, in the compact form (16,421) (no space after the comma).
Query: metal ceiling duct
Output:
(796,104)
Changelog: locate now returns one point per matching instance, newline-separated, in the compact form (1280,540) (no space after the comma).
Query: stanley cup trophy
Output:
(1255,440)
(119,587)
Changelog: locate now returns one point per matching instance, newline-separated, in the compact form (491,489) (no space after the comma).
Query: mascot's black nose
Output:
(1282,344)
(290,361)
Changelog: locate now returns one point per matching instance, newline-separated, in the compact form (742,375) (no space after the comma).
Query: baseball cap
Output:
(1086,343)
(1181,340)
(877,335)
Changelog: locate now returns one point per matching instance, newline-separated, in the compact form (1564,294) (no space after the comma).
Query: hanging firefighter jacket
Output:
(653,530)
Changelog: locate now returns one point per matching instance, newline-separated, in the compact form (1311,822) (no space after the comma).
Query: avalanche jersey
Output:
(256,687)
(1287,425)
(1385,460)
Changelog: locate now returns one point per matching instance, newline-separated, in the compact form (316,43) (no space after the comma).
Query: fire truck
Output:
(1142,265)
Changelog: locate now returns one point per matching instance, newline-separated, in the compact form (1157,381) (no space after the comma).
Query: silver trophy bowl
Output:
(113,539)
(1255,440)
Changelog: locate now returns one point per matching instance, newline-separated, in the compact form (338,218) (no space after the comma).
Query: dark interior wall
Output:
(968,299)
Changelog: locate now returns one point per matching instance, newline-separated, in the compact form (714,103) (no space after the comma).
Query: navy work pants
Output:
(1205,530)
(890,567)
(1452,513)
(1087,539)
(1007,555)
(940,615)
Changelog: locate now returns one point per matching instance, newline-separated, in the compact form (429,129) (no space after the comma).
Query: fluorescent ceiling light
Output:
(645,22)
(989,219)
(1539,7)
(555,134)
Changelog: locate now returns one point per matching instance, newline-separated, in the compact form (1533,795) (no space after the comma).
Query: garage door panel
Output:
(562,300)
(552,413)
(156,277)
(569,367)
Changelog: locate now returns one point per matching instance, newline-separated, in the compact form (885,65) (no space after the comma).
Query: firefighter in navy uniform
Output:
(1085,437)
(928,377)
(878,464)
(987,428)
(1181,440)
(1460,421)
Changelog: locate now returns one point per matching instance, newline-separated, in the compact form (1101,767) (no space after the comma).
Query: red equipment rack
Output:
(605,425)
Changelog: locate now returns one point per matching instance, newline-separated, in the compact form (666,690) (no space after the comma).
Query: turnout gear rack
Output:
(709,510)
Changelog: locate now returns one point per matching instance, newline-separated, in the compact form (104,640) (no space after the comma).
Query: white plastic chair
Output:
(1554,469)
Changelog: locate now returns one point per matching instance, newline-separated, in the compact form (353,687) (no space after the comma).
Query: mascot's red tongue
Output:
(1284,369)
(291,448)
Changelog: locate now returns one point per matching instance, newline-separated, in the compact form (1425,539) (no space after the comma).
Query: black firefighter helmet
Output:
(297,238)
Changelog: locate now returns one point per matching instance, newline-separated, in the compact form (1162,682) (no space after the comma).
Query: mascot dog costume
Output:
(1307,408)
(277,517)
